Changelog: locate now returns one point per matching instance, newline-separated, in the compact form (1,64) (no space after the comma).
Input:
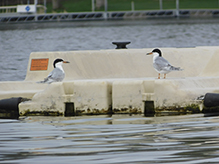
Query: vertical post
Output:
(93,5)
(161,4)
(45,6)
(106,8)
(177,8)
(35,3)
(106,5)
(133,6)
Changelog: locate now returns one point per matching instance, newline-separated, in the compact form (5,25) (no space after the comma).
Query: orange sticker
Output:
(39,64)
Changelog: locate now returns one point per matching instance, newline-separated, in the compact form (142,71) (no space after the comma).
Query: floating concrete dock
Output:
(115,82)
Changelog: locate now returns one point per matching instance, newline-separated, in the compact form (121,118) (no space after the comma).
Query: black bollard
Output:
(211,100)
(121,45)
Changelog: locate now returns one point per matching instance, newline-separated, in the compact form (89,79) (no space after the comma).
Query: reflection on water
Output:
(116,139)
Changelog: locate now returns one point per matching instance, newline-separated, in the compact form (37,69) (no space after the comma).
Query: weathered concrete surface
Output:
(118,81)
(25,89)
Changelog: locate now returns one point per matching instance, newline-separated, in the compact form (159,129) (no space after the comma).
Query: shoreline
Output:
(103,23)
(23,21)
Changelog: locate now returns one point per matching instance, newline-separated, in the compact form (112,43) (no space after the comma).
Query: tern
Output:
(161,65)
(58,72)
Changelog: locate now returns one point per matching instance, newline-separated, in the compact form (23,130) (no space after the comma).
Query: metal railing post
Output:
(133,5)
(93,5)
(161,4)
(106,8)
(45,9)
(177,8)
(35,3)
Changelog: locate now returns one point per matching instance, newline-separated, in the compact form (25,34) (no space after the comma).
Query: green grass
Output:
(72,6)
(125,5)
(121,5)
(199,4)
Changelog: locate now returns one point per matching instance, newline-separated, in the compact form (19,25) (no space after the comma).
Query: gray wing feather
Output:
(163,64)
(55,75)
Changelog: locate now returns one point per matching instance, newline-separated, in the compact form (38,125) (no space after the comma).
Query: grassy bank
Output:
(125,5)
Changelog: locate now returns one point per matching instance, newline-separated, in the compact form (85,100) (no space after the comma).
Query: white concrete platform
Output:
(117,81)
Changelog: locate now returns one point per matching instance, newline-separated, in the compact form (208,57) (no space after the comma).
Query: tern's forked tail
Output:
(172,68)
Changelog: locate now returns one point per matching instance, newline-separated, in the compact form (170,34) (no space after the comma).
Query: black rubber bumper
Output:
(9,107)
(211,100)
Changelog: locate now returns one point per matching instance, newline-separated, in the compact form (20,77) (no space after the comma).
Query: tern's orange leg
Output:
(164,76)
(158,75)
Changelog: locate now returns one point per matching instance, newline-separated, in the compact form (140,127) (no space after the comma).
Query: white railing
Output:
(8,9)
(57,17)
(13,9)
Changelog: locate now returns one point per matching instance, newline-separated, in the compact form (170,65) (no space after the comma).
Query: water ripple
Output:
(126,139)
